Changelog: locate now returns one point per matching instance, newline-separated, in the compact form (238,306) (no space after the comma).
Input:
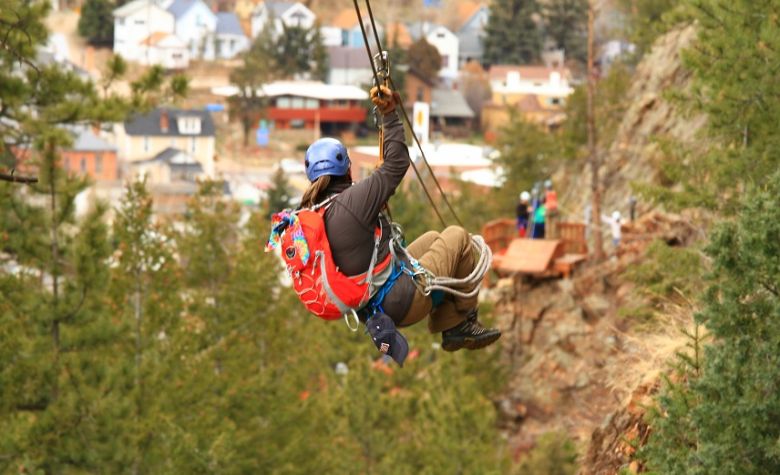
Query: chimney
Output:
(164,120)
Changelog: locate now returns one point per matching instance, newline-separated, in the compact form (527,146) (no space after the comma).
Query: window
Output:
(420,94)
(440,34)
(297,124)
(297,103)
(312,104)
(83,165)
(176,55)
(193,145)
(98,163)
(139,22)
(146,144)
(555,101)
(283,103)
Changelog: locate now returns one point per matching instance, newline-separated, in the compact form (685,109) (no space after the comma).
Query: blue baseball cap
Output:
(387,338)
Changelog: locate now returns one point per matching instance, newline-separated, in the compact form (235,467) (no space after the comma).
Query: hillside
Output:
(579,360)
(651,116)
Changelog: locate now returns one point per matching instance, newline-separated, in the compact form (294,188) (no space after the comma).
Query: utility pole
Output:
(593,156)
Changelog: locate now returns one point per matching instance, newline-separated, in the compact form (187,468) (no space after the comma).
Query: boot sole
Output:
(471,343)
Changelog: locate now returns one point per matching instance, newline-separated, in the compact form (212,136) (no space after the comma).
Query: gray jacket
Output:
(350,221)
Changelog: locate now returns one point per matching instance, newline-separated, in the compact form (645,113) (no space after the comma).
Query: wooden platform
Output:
(529,256)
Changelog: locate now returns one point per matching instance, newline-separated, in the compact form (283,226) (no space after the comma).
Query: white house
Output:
(164,49)
(231,39)
(280,14)
(444,41)
(196,25)
(136,21)
(511,83)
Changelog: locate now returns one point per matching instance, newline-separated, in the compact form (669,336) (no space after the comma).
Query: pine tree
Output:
(513,35)
(566,25)
(733,84)
(279,193)
(731,400)
(145,298)
(96,22)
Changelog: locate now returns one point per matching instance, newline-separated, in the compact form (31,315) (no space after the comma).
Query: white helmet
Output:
(616,215)
(525,196)
(548,184)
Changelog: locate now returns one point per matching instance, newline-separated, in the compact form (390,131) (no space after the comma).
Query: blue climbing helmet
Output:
(326,156)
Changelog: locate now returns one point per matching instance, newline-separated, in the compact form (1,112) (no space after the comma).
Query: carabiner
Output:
(351,312)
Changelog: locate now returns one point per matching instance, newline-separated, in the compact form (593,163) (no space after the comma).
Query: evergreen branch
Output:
(17,179)
(33,407)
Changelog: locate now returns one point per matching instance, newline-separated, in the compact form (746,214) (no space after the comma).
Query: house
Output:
(196,25)
(135,22)
(471,34)
(164,49)
(532,108)
(349,66)
(444,41)
(331,108)
(450,113)
(351,35)
(417,88)
(169,166)
(230,38)
(146,135)
(90,156)
(510,84)
(281,14)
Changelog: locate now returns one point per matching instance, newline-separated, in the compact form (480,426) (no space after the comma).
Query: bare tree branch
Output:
(13,178)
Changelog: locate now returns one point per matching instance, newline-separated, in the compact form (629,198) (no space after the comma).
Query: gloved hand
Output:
(387,102)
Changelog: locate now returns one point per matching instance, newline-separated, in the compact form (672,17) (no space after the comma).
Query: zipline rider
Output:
(361,238)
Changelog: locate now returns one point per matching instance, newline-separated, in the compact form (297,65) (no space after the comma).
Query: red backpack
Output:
(323,289)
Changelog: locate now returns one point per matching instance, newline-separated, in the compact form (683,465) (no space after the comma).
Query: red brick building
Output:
(91,156)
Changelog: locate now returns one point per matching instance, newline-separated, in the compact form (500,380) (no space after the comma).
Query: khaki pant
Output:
(446,254)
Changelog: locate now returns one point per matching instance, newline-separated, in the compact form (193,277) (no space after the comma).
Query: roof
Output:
(420,29)
(149,123)
(449,103)
(175,158)
(530,103)
(310,89)
(154,38)
(500,71)
(130,8)
(228,24)
(466,10)
(346,19)
(85,140)
(398,33)
(277,9)
(345,57)
(180,7)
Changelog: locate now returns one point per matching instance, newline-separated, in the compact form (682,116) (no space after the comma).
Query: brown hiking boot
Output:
(469,334)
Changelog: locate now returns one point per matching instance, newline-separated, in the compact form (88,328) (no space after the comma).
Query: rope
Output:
(405,116)
(471,281)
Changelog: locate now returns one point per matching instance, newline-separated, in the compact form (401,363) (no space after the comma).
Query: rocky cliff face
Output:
(574,355)
(579,363)
(634,154)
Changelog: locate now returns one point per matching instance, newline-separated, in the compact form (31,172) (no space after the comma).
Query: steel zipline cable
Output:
(404,114)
